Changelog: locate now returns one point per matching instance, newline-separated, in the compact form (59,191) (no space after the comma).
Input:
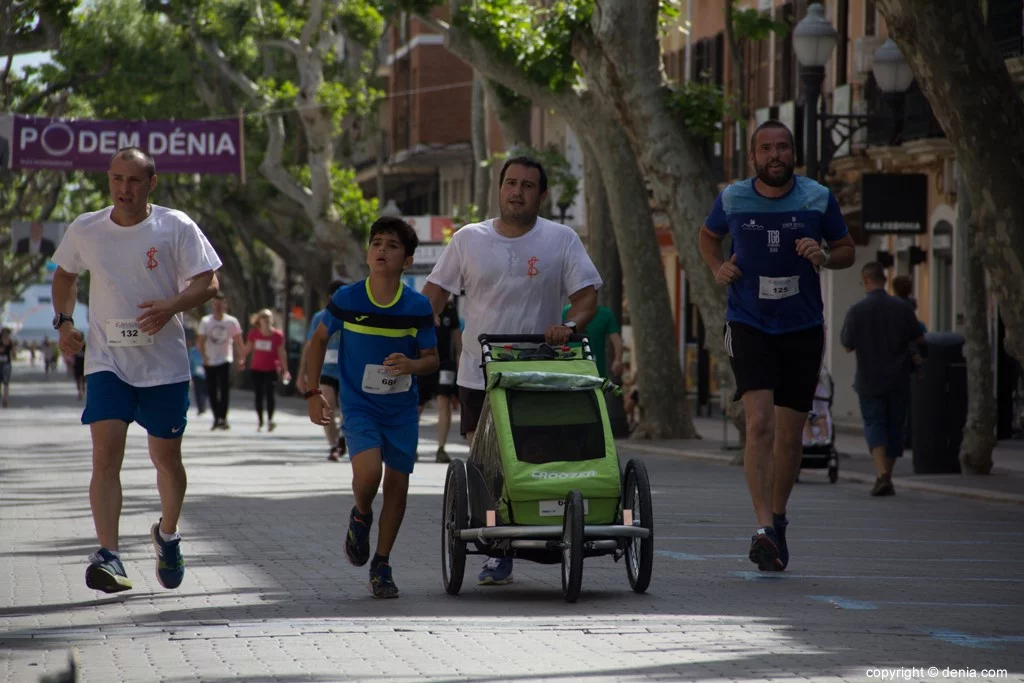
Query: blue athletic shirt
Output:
(370,332)
(780,291)
(330,368)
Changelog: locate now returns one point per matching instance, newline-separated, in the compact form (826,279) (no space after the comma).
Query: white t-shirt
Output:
(152,260)
(513,285)
(219,336)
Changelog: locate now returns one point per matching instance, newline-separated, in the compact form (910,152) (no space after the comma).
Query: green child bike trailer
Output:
(543,481)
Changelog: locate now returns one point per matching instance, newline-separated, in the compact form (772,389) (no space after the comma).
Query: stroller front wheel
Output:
(572,546)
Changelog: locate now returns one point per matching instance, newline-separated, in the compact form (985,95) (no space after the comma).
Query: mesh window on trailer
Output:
(555,426)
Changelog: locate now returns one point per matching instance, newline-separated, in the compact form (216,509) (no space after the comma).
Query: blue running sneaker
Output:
(170,566)
(357,542)
(381,583)
(106,573)
(764,550)
(497,572)
(780,523)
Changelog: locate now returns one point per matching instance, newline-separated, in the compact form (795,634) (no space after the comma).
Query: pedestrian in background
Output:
(266,344)
(881,329)
(903,288)
(220,342)
(8,351)
(330,379)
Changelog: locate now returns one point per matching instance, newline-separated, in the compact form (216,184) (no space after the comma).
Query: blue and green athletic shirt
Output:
(331,368)
(370,332)
(779,291)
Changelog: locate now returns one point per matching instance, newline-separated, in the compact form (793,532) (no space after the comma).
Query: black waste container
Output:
(939,405)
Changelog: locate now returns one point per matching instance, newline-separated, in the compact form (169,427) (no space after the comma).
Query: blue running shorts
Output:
(161,410)
(397,443)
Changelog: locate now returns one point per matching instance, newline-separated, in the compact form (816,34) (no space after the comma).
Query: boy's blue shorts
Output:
(161,410)
(397,443)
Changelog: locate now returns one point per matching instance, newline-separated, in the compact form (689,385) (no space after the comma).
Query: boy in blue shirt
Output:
(387,338)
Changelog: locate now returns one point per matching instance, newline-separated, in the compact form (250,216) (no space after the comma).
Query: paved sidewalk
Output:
(917,580)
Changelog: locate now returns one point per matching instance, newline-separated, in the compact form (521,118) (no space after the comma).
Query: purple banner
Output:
(85,145)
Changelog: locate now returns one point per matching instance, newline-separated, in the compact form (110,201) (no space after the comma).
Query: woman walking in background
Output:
(7,352)
(266,344)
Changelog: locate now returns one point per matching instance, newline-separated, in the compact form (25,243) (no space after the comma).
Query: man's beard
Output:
(766,177)
(518,215)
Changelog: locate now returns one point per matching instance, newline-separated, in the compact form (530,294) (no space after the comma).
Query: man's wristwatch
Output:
(62,318)
(311,393)
(570,324)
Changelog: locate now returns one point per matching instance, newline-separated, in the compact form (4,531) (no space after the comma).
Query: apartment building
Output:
(774,90)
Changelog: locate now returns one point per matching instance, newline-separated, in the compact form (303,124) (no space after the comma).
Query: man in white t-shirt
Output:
(516,272)
(220,342)
(148,265)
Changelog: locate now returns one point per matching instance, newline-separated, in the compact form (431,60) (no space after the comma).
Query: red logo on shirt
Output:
(151,262)
(532,270)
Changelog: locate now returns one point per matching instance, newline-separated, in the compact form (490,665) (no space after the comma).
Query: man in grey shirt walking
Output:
(882,330)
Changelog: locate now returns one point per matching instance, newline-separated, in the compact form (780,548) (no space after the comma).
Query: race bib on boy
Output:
(377,380)
(331,357)
(779,287)
(126,332)
(263,345)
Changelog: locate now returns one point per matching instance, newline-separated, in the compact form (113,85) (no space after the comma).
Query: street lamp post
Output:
(814,40)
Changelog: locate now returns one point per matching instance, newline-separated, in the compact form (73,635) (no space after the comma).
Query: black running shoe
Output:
(381,583)
(764,550)
(357,542)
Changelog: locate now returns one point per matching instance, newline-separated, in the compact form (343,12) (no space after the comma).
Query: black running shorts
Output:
(788,363)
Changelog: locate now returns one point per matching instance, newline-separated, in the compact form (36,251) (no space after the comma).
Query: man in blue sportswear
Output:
(774,329)
(387,337)
(330,377)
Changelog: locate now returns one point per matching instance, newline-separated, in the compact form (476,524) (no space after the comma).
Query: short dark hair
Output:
(393,225)
(334,286)
(219,295)
(902,286)
(528,162)
(139,154)
(771,123)
(874,271)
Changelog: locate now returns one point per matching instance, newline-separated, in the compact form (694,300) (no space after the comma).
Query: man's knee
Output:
(760,416)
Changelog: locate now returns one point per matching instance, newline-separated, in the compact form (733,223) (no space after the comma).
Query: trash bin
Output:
(939,405)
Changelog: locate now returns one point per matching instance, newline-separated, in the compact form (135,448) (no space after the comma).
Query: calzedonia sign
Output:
(213,146)
(894,203)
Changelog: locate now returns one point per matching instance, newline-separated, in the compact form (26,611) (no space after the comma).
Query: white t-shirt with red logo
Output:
(218,338)
(513,285)
(152,260)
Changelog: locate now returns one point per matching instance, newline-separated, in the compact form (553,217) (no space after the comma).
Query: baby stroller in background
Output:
(819,435)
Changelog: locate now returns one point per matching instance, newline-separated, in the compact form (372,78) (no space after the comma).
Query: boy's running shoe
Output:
(357,542)
(381,583)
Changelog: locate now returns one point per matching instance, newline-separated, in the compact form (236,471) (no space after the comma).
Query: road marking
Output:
(844,603)
(902,541)
(978,642)
(785,576)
